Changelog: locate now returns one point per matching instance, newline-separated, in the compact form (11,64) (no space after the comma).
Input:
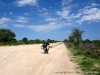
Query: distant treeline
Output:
(7,37)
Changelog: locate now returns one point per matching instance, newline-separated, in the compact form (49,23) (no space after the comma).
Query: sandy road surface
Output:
(28,60)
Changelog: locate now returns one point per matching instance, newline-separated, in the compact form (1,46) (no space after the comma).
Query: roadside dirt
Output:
(29,60)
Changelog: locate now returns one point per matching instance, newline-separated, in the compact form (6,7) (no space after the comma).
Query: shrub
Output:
(86,65)
(87,46)
(78,52)
(91,53)
(68,44)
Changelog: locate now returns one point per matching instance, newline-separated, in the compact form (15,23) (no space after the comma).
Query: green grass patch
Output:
(88,61)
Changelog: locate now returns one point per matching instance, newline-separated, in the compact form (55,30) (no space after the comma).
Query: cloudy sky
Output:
(50,19)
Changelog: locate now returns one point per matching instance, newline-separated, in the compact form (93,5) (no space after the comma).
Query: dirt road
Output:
(28,60)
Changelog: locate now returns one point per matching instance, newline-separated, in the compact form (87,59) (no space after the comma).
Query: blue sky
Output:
(50,19)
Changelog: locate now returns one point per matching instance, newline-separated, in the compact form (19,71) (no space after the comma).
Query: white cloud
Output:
(77,15)
(92,14)
(25,13)
(69,7)
(51,19)
(46,28)
(90,11)
(64,2)
(18,25)
(3,21)
(22,19)
(38,28)
(45,14)
(52,25)
(44,9)
(26,2)
(73,16)
(64,13)
(39,10)
(94,17)
(94,4)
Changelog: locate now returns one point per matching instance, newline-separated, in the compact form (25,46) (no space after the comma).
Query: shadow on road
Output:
(44,53)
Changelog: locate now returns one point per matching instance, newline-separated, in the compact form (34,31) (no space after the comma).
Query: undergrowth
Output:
(88,61)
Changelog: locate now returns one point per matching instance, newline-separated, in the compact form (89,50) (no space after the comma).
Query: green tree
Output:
(42,41)
(37,41)
(49,40)
(71,38)
(25,40)
(97,43)
(13,41)
(6,36)
(76,36)
(65,40)
(87,41)
(52,41)
(31,41)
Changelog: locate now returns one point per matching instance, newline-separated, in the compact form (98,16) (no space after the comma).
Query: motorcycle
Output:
(46,49)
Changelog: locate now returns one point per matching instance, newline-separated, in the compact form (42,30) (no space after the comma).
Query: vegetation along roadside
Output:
(85,53)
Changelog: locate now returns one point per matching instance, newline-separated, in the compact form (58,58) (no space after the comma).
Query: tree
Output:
(77,34)
(25,40)
(87,41)
(6,36)
(50,41)
(96,43)
(37,41)
(71,38)
(65,40)
(31,41)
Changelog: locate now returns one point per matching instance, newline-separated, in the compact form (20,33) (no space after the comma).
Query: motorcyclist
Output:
(45,45)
